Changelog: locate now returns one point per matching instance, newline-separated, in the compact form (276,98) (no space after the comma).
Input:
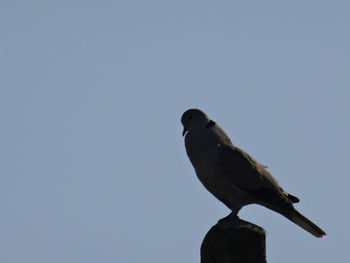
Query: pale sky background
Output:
(93,166)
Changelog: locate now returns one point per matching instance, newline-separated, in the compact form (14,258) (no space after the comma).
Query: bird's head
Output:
(193,118)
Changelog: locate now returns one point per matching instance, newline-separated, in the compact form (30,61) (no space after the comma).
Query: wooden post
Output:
(233,240)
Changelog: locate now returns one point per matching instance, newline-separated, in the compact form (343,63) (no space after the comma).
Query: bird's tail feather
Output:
(304,223)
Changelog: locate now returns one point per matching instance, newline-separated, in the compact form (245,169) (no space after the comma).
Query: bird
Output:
(232,175)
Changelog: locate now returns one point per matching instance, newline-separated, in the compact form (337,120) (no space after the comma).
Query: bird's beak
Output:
(184,131)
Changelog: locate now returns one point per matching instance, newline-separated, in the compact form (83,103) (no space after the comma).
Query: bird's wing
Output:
(239,168)
(242,170)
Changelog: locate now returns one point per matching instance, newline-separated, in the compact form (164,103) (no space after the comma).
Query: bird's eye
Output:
(190,118)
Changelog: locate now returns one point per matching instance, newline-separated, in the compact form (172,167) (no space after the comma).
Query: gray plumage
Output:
(232,175)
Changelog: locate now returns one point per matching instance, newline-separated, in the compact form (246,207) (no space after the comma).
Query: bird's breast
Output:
(203,153)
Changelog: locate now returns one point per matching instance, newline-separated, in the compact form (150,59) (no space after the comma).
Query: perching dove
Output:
(232,175)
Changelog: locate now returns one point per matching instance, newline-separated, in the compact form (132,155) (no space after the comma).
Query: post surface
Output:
(233,240)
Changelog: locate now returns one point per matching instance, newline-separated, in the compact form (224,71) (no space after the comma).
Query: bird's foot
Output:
(229,218)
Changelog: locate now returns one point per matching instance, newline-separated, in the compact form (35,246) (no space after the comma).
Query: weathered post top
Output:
(233,240)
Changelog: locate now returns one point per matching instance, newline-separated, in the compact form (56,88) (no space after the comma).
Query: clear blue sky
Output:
(93,166)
